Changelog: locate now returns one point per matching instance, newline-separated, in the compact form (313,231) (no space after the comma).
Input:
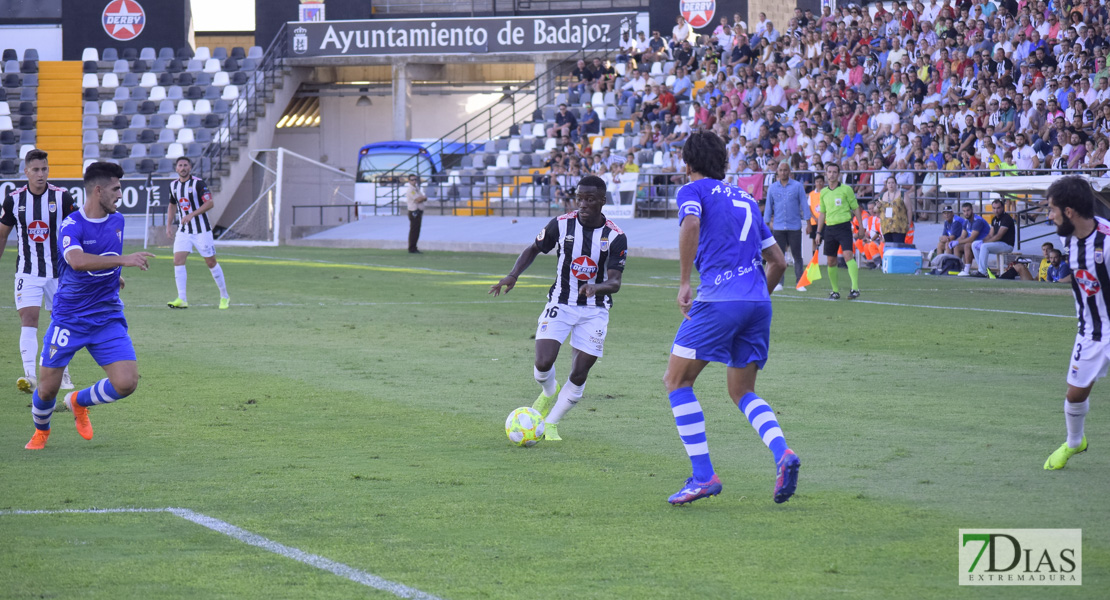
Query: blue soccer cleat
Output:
(787,480)
(694,490)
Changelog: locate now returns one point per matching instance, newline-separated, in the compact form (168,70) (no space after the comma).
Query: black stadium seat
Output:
(8,168)
(91,95)
(231,65)
(194,93)
(147,136)
(3,95)
(140,66)
(185,79)
(129,54)
(211,121)
(89,66)
(174,66)
(7,137)
(165,80)
(119,151)
(26,123)
(10,54)
(148,108)
(184,53)
(239,78)
(27,108)
(29,66)
(146,166)
(119,122)
(238,53)
(12,80)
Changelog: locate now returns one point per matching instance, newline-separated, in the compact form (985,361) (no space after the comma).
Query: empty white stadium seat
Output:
(669,81)
(537,131)
(221,79)
(657,158)
(231,92)
(5,123)
(157,94)
(621,68)
(24,149)
(5,110)
(212,65)
(185,107)
(596,145)
(502,161)
(109,108)
(149,80)
(598,100)
(185,136)
(656,68)
(110,137)
(202,53)
(175,150)
(202,107)
(620,144)
(550,144)
(89,80)
(514,146)
(175,121)
(110,81)
(90,54)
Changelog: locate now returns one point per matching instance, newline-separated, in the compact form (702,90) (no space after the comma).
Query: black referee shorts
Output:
(838,237)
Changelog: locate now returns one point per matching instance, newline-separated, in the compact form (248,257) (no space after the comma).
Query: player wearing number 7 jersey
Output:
(591,252)
(87,311)
(723,236)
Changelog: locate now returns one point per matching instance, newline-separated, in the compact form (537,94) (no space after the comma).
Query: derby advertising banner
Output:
(133,201)
(384,37)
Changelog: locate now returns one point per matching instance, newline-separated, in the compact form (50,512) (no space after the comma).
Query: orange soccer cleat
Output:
(80,416)
(38,441)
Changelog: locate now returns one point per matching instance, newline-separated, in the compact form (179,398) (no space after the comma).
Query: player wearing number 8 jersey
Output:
(723,236)
(591,253)
(87,311)
(1086,238)
(35,211)
(191,200)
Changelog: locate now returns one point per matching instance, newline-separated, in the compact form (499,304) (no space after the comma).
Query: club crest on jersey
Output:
(123,20)
(543,326)
(53,206)
(53,351)
(65,241)
(1087,282)
(185,204)
(119,234)
(543,232)
(38,231)
(1098,256)
(583,268)
(604,244)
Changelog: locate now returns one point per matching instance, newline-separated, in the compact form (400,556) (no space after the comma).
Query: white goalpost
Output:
(279,176)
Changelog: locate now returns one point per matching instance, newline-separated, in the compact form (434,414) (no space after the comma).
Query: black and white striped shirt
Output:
(585,255)
(1090,282)
(36,220)
(189,196)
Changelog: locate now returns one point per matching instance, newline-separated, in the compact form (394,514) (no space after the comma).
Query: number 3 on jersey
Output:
(60,337)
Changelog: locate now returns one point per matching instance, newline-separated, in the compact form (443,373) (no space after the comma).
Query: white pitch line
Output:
(312,560)
(990,310)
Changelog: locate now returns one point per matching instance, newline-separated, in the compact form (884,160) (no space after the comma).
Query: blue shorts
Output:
(736,333)
(107,341)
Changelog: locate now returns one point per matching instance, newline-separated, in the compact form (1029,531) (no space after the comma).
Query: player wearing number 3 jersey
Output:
(722,234)
(87,311)
(591,253)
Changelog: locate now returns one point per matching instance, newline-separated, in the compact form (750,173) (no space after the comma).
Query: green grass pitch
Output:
(351,405)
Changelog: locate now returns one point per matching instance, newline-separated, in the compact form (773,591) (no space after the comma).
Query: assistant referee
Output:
(834,225)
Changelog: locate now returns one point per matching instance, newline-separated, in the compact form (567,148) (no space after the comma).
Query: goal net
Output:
(281,188)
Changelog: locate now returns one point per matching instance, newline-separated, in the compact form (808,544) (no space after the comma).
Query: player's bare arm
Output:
(820,228)
(862,232)
(611,286)
(776,265)
(688,235)
(522,263)
(79,260)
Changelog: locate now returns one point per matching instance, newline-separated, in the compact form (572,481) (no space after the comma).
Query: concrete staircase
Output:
(59,117)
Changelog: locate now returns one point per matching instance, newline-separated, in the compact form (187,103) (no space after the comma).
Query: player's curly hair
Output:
(705,152)
(593,181)
(1073,192)
(100,172)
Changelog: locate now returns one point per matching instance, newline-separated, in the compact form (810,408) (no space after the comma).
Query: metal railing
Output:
(236,127)
(326,214)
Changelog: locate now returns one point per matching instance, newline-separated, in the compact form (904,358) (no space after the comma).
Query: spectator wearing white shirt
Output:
(681,31)
(775,95)
(1025,158)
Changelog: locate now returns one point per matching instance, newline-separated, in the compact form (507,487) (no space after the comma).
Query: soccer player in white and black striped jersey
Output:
(35,211)
(591,253)
(1086,239)
(191,199)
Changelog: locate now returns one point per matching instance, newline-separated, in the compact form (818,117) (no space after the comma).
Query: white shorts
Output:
(30,290)
(586,325)
(1088,362)
(185,242)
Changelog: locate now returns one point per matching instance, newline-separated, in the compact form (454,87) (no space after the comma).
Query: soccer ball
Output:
(524,426)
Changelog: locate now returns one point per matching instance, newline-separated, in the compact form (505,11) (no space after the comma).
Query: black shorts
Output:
(838,237)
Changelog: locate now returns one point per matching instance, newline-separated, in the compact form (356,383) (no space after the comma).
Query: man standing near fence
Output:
(786,208)
(414,196)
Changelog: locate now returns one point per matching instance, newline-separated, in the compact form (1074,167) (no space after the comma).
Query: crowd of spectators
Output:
(979,87)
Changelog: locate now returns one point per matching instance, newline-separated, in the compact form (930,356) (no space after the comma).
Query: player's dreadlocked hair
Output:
(593,181)
(1073,192)
(705,152)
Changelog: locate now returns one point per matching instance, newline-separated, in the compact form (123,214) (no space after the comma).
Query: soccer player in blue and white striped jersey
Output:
(723,235)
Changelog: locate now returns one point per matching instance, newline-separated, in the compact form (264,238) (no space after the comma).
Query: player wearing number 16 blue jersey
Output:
(723,235)
(87,311)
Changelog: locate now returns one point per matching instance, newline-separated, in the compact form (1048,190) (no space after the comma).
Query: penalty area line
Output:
(258,541)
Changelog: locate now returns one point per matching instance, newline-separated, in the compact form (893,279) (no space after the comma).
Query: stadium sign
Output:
(698,13)
(491,35)
(123,20)
(133,201)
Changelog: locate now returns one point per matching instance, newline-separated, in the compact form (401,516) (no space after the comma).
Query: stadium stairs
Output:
(59,117)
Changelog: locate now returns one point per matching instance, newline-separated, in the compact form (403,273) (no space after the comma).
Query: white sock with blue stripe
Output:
(691,428)
(100,392)
(762,418)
